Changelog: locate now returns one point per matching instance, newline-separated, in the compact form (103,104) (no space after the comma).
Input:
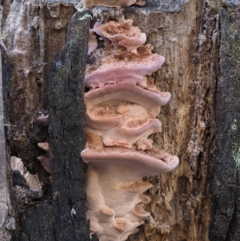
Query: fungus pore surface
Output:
(122,104)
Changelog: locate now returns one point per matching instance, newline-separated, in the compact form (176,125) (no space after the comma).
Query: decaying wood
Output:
(200,39)
(179,199)
(4,218)
(225,186)
(54,219)
(65,216)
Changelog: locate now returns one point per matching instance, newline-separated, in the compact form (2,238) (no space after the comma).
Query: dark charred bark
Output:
(64,218)
(226,184)
(201,45)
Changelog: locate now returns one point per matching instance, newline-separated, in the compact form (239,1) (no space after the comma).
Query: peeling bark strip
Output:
(65,218)
(187,34)
(226,184)
(4,233)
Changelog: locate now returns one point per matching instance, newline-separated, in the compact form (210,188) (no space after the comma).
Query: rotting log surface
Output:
(66,133)
(187,35)
(4,234)
(226,183)
(64,219)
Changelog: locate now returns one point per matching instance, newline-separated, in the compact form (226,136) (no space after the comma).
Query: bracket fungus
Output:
(43,119)
(121,33)
(122,104)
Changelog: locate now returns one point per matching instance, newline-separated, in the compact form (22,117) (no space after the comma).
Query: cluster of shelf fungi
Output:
(122,105)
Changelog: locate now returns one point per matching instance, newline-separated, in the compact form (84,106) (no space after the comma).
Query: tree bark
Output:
(200,39)
(64,218)
(5,220)
(225,185)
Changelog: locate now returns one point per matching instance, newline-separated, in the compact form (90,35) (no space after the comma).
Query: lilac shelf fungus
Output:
(122,104)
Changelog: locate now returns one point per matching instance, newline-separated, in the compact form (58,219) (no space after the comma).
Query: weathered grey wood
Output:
(226,185)
(4,192)
(232,3)
(186,33)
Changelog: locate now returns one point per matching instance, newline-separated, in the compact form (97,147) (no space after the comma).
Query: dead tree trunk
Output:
(61,217)
(225,220)
(64,218)
(200,41)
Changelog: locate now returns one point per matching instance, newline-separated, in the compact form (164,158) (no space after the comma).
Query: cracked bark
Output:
(225,185)
(64,218)
(200,40)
